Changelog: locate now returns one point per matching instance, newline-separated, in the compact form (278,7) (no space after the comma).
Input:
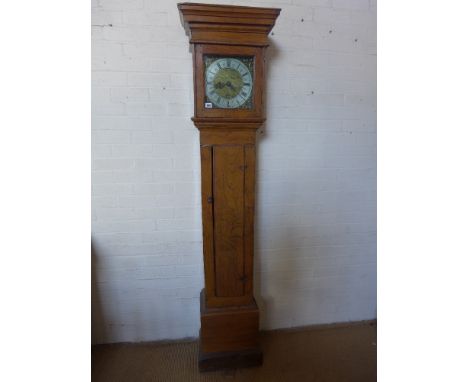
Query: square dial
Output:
(228,82)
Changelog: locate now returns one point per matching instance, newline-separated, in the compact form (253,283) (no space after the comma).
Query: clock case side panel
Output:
(199,81)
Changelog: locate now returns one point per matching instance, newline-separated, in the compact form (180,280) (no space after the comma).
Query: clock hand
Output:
(220,85)
(232,87)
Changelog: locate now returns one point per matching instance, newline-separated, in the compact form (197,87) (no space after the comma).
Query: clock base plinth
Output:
(229,337)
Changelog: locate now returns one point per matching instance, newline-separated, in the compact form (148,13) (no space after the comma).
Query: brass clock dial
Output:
(228,83)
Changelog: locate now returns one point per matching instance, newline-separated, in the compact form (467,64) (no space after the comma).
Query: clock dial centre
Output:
(229,82)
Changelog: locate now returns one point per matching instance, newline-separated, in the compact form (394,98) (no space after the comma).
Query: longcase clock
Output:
(228,45)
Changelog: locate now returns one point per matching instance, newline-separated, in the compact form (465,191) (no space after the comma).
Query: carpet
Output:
(341,353)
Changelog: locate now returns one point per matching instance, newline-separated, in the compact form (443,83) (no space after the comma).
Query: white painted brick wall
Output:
(316,205)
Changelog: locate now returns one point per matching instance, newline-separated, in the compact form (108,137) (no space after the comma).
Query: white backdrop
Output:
(316,202)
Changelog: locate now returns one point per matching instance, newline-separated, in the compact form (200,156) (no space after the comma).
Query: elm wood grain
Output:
(232,195)
(227,137)
(214,301)
(227,24)
(228,187)
(206,156)
(233,269)
(249,215)
(227,123)
(228,12)
(228,329)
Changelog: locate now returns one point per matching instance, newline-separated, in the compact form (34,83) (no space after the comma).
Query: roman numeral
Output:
(246,84)
(245,74)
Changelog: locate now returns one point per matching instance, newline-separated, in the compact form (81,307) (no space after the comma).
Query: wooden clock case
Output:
(229,334)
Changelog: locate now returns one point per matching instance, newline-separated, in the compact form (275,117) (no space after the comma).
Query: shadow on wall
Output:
(271,53)
(98,329)
(264,302)
(271,310)
(319,271)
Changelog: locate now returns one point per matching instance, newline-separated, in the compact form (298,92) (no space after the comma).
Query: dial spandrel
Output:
(228,82)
